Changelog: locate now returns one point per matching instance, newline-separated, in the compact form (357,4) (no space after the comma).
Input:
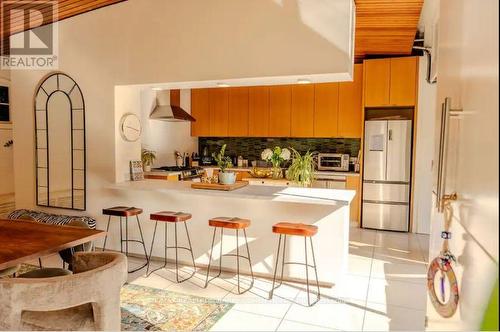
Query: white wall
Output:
(6,154)
(166,137)
(468,73)
(422,190)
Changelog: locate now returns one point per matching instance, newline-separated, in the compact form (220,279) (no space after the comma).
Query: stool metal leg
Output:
(107,233)
(142,240)
(275,268)
(315,269)
(307,272)
(190,247)
(210,257)
(151,249)
(126,236)
(121,236)
(238,261)
(248,254)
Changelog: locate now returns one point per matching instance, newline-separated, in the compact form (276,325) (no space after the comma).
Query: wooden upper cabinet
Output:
(350,105)
(238,112)
(280,103)
(200,111)
(403,81)
(326,107)
(258,113)
(218,102)
(377,82)
(302,111)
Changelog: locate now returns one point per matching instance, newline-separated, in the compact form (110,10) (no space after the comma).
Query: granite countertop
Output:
(269,193)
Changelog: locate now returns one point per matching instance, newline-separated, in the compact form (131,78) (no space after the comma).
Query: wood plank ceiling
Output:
(66,9)
(386,27)
(383,27)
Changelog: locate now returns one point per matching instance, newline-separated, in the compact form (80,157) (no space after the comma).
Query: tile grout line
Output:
(369,280)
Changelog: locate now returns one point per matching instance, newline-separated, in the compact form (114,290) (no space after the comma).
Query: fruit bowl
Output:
(260,173)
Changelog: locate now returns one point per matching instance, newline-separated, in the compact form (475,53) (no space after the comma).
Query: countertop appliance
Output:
(186,173)
(333,162)
(386,174)
(329,181)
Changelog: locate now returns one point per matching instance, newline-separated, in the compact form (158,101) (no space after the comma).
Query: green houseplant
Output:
(148,157)
(301,170)
(224,162)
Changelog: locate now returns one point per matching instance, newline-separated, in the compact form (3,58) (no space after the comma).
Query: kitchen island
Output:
(263,205)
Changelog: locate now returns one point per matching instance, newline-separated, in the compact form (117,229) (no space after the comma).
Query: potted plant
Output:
(224,162)
(276,156)
(148,157)
(301,170)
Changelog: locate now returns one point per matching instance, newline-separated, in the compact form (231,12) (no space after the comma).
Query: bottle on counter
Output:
(240,161)
(186,159)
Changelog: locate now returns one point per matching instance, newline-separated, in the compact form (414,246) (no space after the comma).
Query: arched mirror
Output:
(60,143)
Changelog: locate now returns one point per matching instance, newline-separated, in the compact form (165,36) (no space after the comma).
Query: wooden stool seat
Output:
(232,223)
(290,228)
(122,211)
(170,216)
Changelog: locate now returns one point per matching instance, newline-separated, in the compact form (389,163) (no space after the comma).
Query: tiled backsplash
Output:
(251,147)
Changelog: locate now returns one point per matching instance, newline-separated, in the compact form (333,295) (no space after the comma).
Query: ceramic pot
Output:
(227,177)
(146,168)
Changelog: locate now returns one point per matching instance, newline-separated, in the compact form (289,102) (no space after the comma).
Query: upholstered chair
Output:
(88,299)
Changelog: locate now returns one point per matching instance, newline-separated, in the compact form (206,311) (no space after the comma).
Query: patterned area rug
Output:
(152,309)
(146,308)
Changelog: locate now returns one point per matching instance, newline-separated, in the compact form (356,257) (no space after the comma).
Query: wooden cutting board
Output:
(218,186)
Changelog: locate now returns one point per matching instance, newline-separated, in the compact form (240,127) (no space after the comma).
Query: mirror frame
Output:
(48,91)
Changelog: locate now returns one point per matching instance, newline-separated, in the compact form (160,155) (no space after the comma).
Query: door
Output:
(403,81)
(258,113)
(200,111)
(377,82)
(350,105)
(280,103)
(238,112)
(302,111)
(398,150)
(218,102)
(375,151)
(326,106)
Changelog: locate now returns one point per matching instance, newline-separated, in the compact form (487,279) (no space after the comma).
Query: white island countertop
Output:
(269,193)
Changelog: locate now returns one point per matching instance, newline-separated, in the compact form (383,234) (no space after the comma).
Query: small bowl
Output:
(260,173)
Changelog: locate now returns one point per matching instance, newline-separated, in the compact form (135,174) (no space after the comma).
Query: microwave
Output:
(333,162)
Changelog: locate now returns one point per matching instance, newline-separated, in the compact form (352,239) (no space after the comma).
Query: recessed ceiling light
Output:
(303,81)
(223,85)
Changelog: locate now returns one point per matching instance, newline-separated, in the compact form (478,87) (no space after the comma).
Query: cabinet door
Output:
(353,183)
(258,113)
(302,111)
(326,106)
(200,111)
(238,112)
(350,105)
(280,102)
(377,82)
(219,115)
(403,81)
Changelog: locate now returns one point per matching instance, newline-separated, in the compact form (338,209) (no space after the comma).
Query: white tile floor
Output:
(385,289)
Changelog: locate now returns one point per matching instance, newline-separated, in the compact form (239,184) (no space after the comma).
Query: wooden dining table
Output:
(21,240)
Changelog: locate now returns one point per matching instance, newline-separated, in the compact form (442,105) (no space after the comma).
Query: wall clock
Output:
(130,127)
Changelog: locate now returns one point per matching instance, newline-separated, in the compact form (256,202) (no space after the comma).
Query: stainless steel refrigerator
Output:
(386,174)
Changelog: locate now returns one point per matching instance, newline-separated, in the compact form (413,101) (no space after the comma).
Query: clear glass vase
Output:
(276,172)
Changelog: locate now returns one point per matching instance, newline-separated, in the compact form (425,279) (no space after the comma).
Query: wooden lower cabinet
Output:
(353,183)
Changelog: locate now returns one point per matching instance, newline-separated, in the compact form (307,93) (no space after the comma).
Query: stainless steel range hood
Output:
(167,107)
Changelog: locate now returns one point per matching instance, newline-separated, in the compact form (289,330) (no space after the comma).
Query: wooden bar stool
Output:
(125,212)
(236,224)
(295,229)
(172,217)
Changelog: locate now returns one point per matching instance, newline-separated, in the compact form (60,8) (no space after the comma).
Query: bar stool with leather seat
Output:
(126,212)
(230,223)
(172,217)
(285,229)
